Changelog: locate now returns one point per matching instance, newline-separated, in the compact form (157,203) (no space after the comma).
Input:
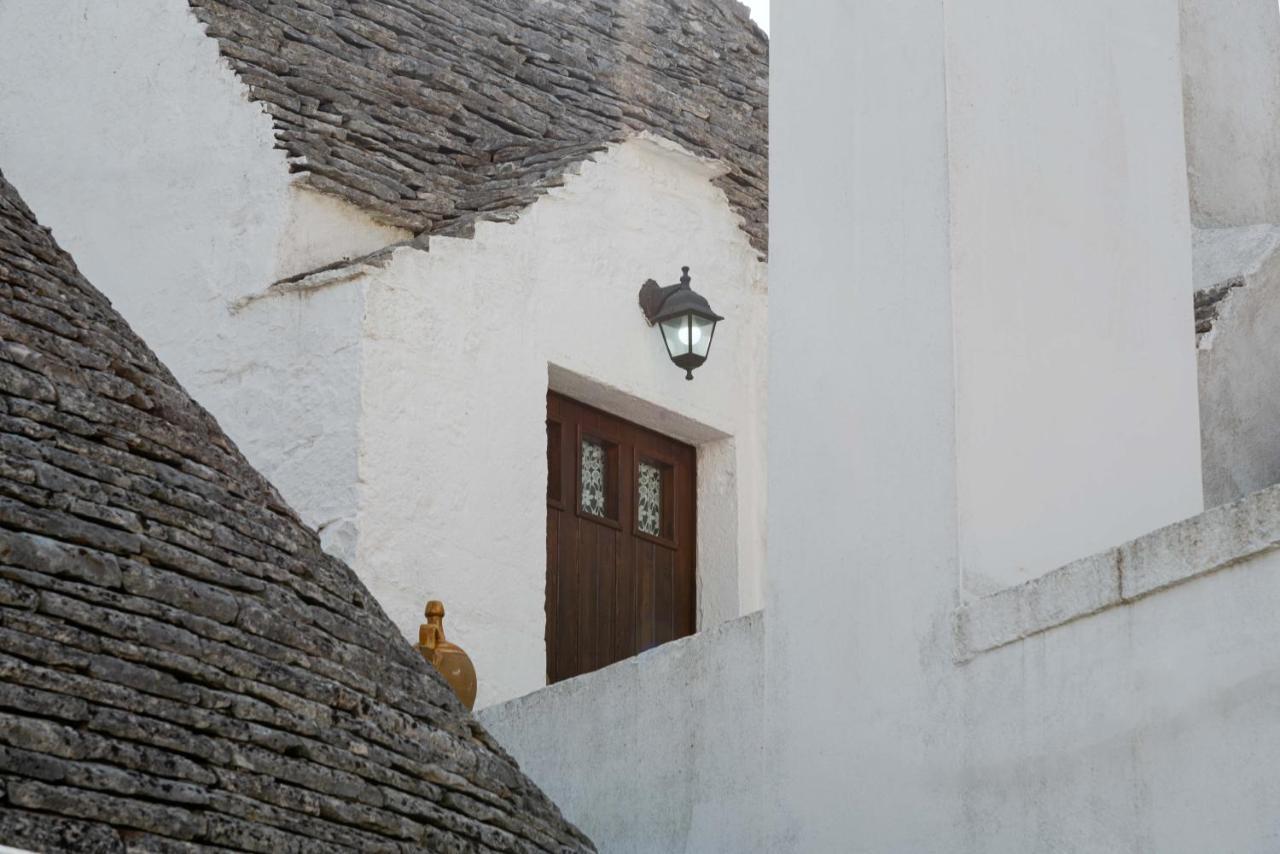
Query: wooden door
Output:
(620,539)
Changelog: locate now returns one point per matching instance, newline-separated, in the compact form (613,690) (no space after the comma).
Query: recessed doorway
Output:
(621,536)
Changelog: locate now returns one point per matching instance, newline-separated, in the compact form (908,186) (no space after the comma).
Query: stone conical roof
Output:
(434,114)
(181,667)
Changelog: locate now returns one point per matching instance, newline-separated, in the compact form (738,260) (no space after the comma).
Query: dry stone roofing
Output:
(181,667)
(433,114)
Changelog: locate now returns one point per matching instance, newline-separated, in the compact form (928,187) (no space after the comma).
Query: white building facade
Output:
(988,625)
(384,355)
(1018,379)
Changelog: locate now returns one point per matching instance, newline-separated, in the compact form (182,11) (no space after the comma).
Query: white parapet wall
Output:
(1124,702)
(1138,710)
(660,753)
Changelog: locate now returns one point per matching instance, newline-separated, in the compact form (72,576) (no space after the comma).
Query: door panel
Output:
(621,521)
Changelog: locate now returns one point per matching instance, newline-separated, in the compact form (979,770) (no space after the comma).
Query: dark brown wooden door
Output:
(620,539)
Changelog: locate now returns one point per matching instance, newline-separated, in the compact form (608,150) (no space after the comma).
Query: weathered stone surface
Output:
(1217,539)
(181,667)
(433,116)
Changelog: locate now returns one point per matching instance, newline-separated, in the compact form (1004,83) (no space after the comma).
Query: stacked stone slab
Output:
(434,114)
(181,667)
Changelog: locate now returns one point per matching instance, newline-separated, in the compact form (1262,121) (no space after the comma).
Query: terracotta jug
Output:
(454,664)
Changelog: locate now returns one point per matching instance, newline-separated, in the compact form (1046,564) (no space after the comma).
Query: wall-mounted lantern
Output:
(685,318)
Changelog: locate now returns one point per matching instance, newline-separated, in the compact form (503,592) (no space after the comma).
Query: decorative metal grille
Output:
(593,474)
(649,500)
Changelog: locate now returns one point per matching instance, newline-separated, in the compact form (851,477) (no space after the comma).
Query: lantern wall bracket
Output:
(654,295)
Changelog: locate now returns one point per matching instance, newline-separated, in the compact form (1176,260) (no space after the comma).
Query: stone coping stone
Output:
(1213,540)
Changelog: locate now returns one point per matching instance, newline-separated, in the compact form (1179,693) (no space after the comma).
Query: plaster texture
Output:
(1076,398)
(149,162)
(1216,539)
(1231,84)
(851,715)
(1148,727)
(1089,721)
(1238,317)
(660,753)
(460,346)
(1144,728)
(1219,255)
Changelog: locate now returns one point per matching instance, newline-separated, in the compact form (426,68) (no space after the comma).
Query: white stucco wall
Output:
(862,537)
(138,146)
(1103,734)
(462,342)
(1125,710)
(1150,727)
(1239,361)
(1231,75)
(660,754)
(1076,397)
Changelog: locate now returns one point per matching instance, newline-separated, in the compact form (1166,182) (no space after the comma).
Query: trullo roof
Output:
(433,114)
(181,667)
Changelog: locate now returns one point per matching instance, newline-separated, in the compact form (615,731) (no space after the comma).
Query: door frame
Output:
(722,579)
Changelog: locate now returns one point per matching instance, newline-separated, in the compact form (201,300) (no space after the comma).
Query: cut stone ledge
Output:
(1213,540)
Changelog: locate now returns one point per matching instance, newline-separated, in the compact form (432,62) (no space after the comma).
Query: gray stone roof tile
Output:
(181,667)
(434,114)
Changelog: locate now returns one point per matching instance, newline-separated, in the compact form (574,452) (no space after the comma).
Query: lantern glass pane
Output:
(700,340)
(676,332)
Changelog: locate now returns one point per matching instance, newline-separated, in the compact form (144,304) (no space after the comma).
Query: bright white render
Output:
(1076,399)
(1124,702)
(1111,732)
(460,346)
(148,162)
(1000,357)
(660,753)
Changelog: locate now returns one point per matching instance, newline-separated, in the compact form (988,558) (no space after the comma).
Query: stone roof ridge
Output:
(181,666)
(347,269)
(433,115)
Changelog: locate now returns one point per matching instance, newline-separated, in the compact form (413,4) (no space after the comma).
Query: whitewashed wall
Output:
(1231,82)
(662,753)
(862,538)
(462,343)
(1076,393)
(1100,735)
(1125,703)
(1146,727)
(1239,360)
(140,149)
(1231,69)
